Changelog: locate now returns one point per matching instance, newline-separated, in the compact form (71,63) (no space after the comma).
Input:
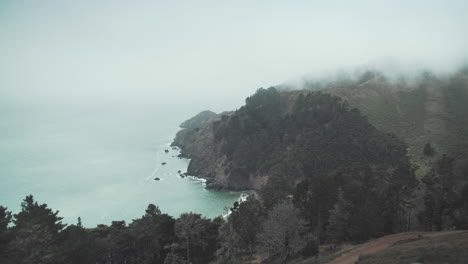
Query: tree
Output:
(5,219)
(284,233)
(33,213)
(77,245)
(121,242)
(153,231)
(244,222)
(173,258)
(230,242)
(428,150)
(315,197)
(190,228)
(338,223)
(445,194)
(36,232)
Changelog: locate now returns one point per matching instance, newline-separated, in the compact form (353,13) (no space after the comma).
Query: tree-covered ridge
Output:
(311,147)
(317,135)
(314,131)
(292,134)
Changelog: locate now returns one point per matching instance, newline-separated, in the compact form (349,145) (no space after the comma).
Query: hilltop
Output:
(199,119)
(426,109)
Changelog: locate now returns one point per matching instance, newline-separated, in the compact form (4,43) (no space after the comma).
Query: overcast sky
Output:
(212,50)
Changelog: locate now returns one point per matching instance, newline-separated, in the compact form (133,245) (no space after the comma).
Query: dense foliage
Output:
(311,145)
(446,195)
(38,236)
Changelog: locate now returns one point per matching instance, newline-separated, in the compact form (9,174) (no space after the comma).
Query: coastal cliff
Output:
(198,143)
(281,138)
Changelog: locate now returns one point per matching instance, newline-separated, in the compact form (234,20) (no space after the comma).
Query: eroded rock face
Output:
(206,158)
(197,143)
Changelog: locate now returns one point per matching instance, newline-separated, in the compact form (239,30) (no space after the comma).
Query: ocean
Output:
(99,162)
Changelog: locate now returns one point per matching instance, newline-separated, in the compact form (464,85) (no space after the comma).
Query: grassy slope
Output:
(456,100)
(451,248)
(402,248)
(434,112)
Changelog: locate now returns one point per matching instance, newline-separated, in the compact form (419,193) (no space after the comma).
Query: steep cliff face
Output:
(282,138)
(207,159)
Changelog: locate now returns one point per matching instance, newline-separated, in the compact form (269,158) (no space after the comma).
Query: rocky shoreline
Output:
(198,144)
(209,183)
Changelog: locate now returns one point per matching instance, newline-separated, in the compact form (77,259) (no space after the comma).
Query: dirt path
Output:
(380,244)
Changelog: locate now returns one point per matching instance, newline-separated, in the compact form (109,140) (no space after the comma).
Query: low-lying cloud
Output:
(210,52)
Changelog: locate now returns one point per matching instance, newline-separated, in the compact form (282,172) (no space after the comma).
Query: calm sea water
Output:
(99,163)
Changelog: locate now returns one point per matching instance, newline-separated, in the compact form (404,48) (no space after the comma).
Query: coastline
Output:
(243,194)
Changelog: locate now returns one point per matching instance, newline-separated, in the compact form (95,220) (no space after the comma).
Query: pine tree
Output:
(284,233)
(33,213)
(189,229)
(5,219)
(338,222)
(36,232)
(153,231)
(428,150)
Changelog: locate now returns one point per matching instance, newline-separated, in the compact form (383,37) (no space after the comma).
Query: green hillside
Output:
(429,110)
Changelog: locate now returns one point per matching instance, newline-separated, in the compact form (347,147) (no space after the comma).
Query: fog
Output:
(211,54)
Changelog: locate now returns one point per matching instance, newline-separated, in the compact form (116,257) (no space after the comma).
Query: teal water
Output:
(99,163)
